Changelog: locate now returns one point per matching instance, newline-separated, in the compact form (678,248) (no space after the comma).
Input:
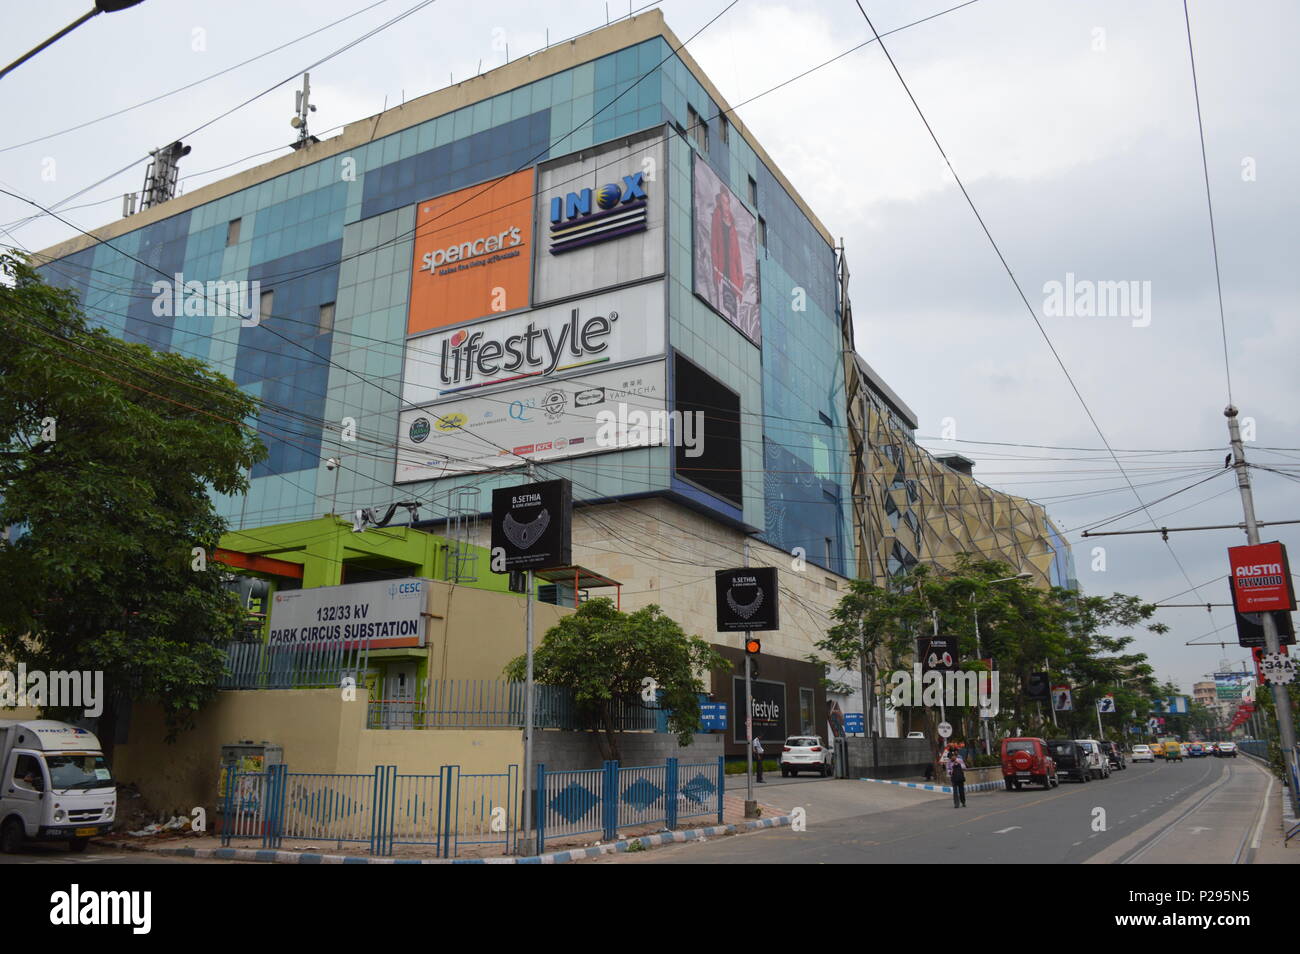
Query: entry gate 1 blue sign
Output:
(713,717)
(853,722)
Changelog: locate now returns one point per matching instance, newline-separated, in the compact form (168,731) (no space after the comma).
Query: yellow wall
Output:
(473,633)
(319,731)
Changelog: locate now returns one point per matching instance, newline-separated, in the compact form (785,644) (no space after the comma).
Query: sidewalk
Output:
(1277,821)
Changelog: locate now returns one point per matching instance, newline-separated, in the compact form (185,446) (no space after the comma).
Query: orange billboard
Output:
(473,253)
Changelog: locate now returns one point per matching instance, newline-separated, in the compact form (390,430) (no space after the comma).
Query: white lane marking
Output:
(1198,829)
(1259,827)
(1003,831)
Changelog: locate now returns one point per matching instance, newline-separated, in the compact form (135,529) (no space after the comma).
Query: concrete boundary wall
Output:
(320,732)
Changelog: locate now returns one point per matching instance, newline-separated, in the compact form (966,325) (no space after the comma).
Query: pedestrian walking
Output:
(957,776)
(758,758)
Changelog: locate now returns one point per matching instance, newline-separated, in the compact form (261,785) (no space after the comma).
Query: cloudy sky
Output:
(1072,124)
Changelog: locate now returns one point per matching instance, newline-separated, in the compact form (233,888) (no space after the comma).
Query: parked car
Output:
(1226,750)
(1143,753)
(806,753)
(1115,755)
(1098,763)
(1071,760)
(1027,760)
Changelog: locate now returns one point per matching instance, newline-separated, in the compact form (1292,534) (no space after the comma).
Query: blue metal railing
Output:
(310,666)
(611,798)
(452,809)
(379,810)
(495,704)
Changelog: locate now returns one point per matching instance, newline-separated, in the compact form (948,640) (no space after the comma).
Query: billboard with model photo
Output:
(726,256)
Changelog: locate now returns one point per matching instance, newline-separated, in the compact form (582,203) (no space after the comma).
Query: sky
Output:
(1072,125)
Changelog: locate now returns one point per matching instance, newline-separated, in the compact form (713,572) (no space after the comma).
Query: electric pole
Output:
(1281,699)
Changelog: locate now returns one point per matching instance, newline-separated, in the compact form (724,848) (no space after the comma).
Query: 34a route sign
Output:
(1276,669)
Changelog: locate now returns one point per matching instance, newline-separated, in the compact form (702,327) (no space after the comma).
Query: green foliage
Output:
(1020,626)
(99,574)
(604,655)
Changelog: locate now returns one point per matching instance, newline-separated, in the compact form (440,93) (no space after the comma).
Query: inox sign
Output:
(594,215)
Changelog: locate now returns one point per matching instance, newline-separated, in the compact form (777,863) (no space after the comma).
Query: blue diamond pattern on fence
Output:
(699,789)
(573,802)
(642,793)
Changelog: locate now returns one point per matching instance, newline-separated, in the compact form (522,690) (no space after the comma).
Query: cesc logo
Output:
(596,215)
(403,589)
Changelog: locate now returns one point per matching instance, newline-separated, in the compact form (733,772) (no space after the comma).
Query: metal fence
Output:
(496,704)
(315,666)
(611,798)
(379,810)
(451,809)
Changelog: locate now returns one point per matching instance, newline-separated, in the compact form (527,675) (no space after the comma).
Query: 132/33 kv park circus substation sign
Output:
(748,599)
(1261,578)
(532,526)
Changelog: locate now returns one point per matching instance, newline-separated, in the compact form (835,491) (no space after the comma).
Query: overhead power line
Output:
(1014,281)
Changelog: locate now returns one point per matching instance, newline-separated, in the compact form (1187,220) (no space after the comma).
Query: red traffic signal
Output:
(752,646)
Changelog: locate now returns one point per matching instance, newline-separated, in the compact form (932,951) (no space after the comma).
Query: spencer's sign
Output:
(473,253)
(1261,578)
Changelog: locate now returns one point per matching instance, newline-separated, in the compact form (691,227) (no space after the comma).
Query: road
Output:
(58,854)
(1195,811)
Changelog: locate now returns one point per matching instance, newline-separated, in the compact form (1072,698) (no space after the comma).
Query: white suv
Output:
(1098,763)
(806,753)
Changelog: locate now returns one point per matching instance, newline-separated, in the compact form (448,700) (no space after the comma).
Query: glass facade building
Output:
(326,241)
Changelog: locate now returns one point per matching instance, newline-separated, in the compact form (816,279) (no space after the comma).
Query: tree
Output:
(108,454)
(605,655)
(868,626)
(1021,627)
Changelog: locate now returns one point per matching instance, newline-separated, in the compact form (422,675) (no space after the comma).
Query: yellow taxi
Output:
(1158,749)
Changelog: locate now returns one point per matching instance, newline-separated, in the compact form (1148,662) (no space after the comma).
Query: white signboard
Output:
(386,614)
(600,218)
(577,337)
(551,420)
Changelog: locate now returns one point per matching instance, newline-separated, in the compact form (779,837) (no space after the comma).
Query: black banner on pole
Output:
(748,599)
(532,526)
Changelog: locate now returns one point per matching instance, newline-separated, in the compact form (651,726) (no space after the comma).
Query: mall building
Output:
(584,262)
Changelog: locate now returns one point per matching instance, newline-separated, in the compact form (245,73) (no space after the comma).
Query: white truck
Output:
(56,784)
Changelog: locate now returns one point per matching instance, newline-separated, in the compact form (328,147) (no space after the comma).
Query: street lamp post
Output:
(101,6)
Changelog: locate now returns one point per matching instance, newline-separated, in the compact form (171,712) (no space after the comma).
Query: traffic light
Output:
(752,646)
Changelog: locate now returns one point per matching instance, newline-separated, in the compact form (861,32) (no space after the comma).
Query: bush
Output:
(739,767)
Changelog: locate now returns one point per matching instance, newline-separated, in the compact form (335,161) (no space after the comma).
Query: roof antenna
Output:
(303,107)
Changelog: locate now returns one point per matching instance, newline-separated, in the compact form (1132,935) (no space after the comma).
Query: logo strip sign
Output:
(1261,578)
(748,599)
(532,526)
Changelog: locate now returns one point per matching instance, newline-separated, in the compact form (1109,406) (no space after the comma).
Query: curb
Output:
(274,856)
(928,787)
